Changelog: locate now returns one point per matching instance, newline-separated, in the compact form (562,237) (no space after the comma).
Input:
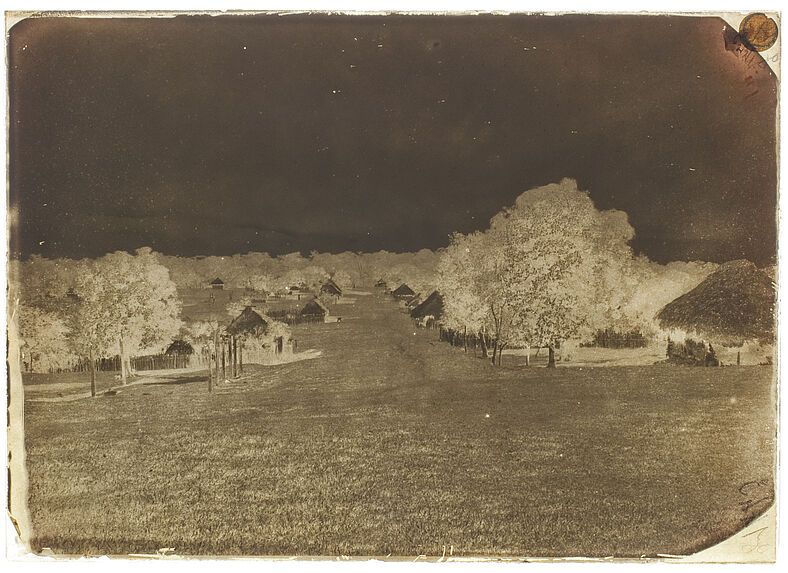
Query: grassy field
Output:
(393,443)
(65,384)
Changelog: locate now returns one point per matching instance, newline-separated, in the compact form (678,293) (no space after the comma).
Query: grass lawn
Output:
(65,384)
(393,443)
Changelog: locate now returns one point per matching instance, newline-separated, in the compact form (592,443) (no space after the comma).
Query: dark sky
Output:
(219,135)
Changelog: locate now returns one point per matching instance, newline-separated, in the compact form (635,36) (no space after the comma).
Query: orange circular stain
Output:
(758,31)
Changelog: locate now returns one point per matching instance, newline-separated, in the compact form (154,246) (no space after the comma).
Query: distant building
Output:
(403,292)
(217,283)
(249,322)
(315,310)
(330,290)
(413,302)
(430,309)
(180,347)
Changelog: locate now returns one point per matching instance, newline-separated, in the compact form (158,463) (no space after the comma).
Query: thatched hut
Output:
(180,348)
(258,333)
(217,283)
(249,322)
(733,305)
(403,292)
(315,310)
(330,291)
(431,308)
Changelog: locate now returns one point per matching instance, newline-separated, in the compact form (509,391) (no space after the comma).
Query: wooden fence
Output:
(141,363)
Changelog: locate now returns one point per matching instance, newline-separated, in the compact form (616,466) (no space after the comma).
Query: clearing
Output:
(391,442)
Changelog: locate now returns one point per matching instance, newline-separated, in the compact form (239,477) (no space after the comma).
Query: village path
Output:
(375,355)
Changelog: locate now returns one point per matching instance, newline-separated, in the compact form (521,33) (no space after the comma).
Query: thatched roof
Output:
(248,322)
(734,304)
(314,308)
(217,281)
(330,287)
(403,290)
(179,347)
(413,302)
(431,306)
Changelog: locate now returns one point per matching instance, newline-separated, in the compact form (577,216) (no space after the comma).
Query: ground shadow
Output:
(169,381)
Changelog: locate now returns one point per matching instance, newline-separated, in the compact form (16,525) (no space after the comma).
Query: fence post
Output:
(224,367)
(235,358)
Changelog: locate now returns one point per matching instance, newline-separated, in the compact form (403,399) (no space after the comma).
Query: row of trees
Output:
(262,272)
(122,304)
(552,267)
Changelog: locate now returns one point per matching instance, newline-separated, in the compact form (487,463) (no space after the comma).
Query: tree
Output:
(657,285)
(90,313)
(568,263)
(474,277)
(131,300)
(343,279)
(464,307)
(44,340)
(204,337)
(549,268)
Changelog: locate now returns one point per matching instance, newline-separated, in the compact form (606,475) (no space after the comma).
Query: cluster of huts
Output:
(249,334)
(426,311)
(253,332)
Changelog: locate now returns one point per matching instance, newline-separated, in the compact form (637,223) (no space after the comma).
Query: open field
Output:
(393,443)
(65,384)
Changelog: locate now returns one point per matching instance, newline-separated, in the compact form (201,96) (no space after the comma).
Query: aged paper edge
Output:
(736,549)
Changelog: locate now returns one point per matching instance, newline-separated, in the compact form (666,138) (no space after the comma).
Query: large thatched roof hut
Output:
(734,304)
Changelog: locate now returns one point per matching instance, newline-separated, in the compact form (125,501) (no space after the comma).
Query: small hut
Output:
(331,287)
(403,292)
(217,283)
(330,290)
(178,354)
(179,348)
(255,334)
(381,284)
(248,322)
(314,311)
(430,309)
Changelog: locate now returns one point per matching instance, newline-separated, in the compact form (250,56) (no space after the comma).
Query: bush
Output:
(691,353)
